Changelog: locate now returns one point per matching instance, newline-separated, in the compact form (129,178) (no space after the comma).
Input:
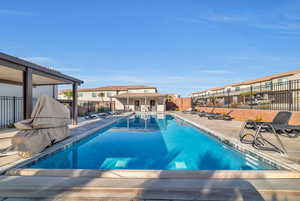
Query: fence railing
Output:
(269,96)
(86,107)
(11,110)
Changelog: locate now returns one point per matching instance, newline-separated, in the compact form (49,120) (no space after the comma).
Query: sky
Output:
(179,46)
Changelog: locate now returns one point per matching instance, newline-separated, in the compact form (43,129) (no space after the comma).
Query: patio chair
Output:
(279,124)
(188,110)
(226,116)
(206,114)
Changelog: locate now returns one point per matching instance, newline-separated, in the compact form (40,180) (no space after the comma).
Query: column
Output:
(75,104)
(27,93)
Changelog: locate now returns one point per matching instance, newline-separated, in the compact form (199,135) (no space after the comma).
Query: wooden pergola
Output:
(23,73)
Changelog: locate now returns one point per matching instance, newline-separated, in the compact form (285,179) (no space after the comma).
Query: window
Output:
(269,84)
(109,94)
(80,94)
(94,95)
(282,81)
(237,88)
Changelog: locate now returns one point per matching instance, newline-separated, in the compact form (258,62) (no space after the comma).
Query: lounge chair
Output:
(226,116)
(188,110)
(279,124)
(206,114)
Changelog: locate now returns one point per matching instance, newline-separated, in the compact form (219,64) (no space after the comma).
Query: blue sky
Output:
(178,46)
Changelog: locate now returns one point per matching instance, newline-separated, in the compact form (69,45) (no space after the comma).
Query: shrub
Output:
(101,109)
(258,118)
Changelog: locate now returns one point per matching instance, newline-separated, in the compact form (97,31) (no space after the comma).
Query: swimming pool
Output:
(150,142)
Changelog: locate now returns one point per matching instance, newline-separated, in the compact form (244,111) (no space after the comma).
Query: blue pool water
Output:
(149,142)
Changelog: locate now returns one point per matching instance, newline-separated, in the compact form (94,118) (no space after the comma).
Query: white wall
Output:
(15,90)
(141,91)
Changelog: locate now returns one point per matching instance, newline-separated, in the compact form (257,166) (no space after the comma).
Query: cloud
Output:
(216,71)
(69,69)
(279,21)
(212,17)
(218,17)
(38,59)
(7,12)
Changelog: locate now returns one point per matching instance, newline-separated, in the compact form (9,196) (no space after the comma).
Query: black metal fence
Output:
(86,107)
(267,95)
(11,110)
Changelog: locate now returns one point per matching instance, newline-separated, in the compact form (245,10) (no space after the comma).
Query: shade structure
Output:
(17,71)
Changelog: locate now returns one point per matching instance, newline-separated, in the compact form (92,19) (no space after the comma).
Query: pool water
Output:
(160,142)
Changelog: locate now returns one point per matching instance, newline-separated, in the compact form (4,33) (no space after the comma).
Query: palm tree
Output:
(68,94)
(101,95)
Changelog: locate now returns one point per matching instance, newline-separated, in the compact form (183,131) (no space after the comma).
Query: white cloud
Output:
(278,21)
(69,69)
(216,71)
(8,12)
(218,17)
(38,59)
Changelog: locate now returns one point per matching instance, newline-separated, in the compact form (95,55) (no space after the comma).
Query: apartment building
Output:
(131,97)
(278,91)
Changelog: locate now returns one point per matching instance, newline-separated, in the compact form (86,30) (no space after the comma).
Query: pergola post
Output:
(145,105)
(75,104)
(27,93)
(127,106)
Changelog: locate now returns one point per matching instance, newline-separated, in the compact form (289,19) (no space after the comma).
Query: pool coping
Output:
(238,146)
(56,147)
(17,170)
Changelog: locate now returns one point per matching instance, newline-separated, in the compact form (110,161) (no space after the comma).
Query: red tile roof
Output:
(267,78)
(124,95)
(112,88)
(263,79)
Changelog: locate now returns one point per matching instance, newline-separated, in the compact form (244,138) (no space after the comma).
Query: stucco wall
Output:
(251,114)
(181,103)
(15,90)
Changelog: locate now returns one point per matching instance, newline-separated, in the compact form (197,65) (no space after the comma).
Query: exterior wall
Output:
(182,103)
(251,114)
(144,106)
(120,103)
(141,90)
(15,90)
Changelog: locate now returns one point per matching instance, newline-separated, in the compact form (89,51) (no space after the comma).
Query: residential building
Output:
(132,97)
(278,91)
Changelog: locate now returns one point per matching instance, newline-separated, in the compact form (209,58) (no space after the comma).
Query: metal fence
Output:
(86,107)
(11,110)
(268,96)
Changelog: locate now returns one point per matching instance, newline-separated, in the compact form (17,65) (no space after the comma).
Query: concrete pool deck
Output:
(229,130)
(155,185)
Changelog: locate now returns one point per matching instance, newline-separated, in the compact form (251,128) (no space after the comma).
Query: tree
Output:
(68,94)
(101,95)
(168,98)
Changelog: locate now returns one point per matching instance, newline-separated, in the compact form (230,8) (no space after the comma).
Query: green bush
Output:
(258,119)
(101,109)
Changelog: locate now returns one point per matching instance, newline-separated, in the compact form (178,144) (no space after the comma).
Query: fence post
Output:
(228,101)
(290,95)
(14,108)
(251,103)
